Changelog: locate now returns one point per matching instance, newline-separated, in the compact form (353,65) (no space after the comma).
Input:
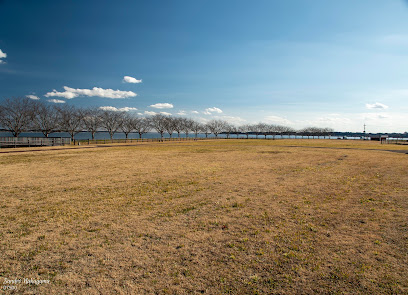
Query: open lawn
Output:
(212,217)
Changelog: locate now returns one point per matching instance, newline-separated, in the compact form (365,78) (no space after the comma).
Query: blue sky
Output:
(300,63)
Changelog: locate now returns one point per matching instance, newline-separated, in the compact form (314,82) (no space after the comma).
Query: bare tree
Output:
(270,129)
(229,129)
(196,127)
(170,125)
(127,124)
(111,121)
(46,119)
(178,124)
(187,125)
(158,122)
(92,121)
(327,131)
(205,129)
(217,126)
(245,129)
(257,129)
(236,131)
(312,131)
(71,119)
(288,130)
(17,114)
(141,125)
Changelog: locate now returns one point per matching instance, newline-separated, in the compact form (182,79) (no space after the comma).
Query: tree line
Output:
(19,115)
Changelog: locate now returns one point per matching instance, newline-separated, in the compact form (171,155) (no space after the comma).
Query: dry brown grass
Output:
(213,217)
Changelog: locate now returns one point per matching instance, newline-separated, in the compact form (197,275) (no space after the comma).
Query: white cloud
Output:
(127,109)
(108,108)
(96,91)
(56,101)
(376,105)
(209,111)
(140,114)
(150,113)
(2,55)
(164,105)
(233,120)
(66,94)
(33,97)
(194,112)
(165,113)
(128,79)
(114,109)
(181,113)
(277,120)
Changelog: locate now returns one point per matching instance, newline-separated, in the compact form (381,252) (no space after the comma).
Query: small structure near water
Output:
(378,137)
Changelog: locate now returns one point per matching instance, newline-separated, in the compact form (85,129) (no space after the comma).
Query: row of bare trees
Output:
(19,115)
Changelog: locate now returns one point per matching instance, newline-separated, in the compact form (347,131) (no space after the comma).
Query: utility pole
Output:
(364,132)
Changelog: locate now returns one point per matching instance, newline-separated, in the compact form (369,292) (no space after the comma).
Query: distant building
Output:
(378,137)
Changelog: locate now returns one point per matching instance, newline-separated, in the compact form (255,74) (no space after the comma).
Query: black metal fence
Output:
(33,141)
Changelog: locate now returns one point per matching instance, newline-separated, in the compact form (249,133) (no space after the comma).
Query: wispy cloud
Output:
(233,120)
(277,120)
(150,113)
(209,111)
(56,100)
(114,109)
(163,105)
(181,113)
(194,112)
(2,55)
(34,97)
(96,91)
(165,113)
(128,79)
(376,105)
(376,116)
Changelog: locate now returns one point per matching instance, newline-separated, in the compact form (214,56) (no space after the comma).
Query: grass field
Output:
(212,217)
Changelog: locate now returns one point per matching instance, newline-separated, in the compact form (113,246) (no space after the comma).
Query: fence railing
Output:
(33,141)
(398,141)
